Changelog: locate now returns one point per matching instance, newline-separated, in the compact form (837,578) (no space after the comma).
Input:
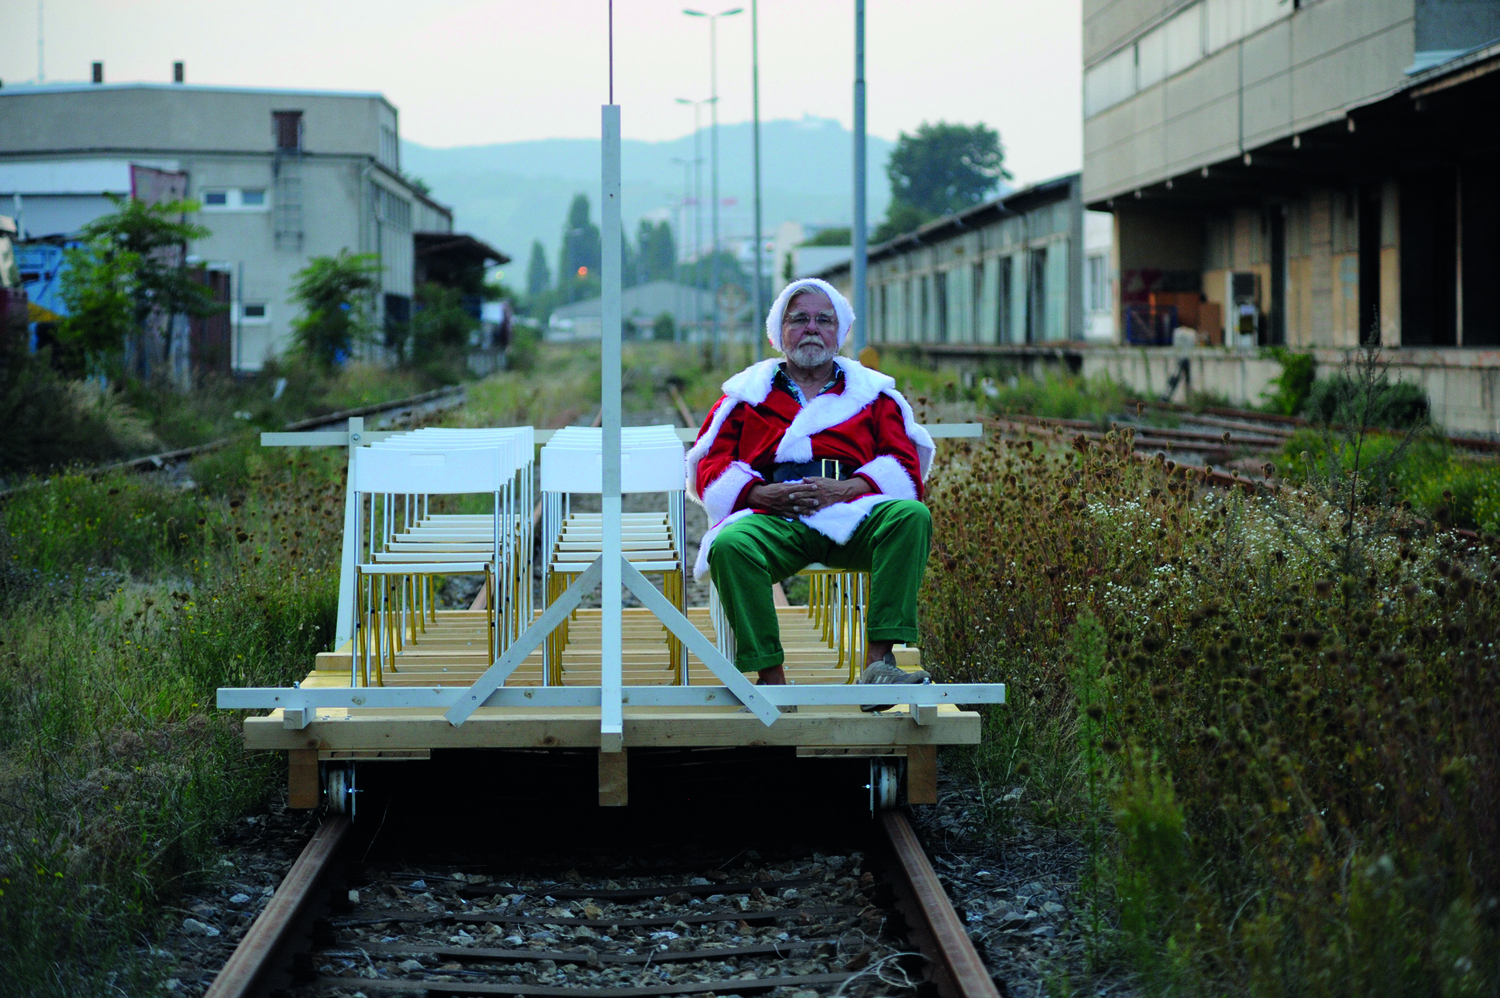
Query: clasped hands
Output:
(793,499)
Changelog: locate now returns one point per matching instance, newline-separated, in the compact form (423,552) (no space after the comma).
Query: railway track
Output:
(401,410)
(866,917)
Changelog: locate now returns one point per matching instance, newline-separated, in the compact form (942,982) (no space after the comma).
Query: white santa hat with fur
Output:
(841,308)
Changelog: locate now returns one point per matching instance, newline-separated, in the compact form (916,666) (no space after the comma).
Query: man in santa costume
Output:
(812,458)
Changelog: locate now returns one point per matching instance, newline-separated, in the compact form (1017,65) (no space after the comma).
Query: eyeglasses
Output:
(801,320)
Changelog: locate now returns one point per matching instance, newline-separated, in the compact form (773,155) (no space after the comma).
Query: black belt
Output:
(791,471)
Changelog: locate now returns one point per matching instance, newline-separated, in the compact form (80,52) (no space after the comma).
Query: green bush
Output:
(334,293)
(1343,399)
(44,427)
(521,355)
(1424,470)
(1290,388)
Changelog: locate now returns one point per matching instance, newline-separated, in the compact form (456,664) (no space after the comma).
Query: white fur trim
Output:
(888,475)
(861,386)
(839,521)
(720,496)
(700,564)
(841,308)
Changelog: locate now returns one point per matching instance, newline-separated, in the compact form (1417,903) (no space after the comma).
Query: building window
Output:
(976,306)
(226,199)
(1098,283)
(389,148)
(1198,30)
(254,313)
(1002,305)
(927,282)
(391,208)
(1036,293)
(940,286)
(286,127)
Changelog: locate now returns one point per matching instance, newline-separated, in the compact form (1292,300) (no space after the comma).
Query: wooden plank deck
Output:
(453,651)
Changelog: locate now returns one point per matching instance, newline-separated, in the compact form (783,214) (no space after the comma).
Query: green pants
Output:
(753,552)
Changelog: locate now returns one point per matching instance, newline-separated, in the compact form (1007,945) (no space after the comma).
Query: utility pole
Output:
(697,192)
(760,305)
(713,143)
(41,69)
(677,331)
(857,265)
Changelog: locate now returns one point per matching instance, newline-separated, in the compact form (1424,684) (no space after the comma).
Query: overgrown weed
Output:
(137,600)
(1294,686)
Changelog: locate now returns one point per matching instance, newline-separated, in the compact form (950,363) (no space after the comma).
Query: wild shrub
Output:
(119,521)
(1290,389)
(1343,399)
(117,772)
(1309,683)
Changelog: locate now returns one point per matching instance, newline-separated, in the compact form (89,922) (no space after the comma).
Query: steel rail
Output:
(153,462)
(1288,423)
(250,969)
(953,965)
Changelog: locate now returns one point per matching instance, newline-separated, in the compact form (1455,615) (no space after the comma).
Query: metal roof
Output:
(1014,203)
(41,89)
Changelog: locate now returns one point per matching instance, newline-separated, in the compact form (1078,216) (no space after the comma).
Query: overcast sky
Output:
(471,72)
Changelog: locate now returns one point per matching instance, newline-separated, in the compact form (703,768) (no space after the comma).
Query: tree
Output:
(578,259)
(128,279)
(440,325)
(664,328)
(656,251)
(940,170)
(831,237)
(335,293)
(538,277)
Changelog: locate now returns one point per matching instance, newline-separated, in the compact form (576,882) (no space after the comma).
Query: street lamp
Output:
(697,173)
(760,305)
(697,186)
(713,89)
(677,333)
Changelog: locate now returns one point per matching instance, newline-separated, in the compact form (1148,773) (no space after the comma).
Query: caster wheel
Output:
(885,784)
(338,788)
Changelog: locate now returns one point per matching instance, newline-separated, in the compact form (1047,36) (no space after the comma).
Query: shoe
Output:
(887,671)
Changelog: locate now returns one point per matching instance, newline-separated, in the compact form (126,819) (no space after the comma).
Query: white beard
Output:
(811,353)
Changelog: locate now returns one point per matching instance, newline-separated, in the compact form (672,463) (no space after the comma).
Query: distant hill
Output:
(511,193)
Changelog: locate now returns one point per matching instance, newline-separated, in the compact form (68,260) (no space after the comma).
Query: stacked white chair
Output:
(652,460)
(402,545)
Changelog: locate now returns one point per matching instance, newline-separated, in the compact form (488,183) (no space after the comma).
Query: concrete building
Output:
(1005,278)
(282,176)
(1318,174)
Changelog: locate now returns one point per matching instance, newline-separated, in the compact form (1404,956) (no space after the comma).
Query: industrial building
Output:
(1317,174)
(281,176)
(1015,274)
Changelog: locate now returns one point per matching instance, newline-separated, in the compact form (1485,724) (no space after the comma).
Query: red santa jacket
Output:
(863,421)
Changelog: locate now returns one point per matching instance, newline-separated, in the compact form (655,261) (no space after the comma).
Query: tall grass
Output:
(1295,724)
(136,599)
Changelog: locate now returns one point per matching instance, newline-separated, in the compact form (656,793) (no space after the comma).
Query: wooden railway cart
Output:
(406,680)
(409,680)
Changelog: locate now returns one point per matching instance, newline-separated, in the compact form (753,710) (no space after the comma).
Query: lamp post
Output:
(760,305)
(697,186)
(858,249)
(713,98)
(677,332)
